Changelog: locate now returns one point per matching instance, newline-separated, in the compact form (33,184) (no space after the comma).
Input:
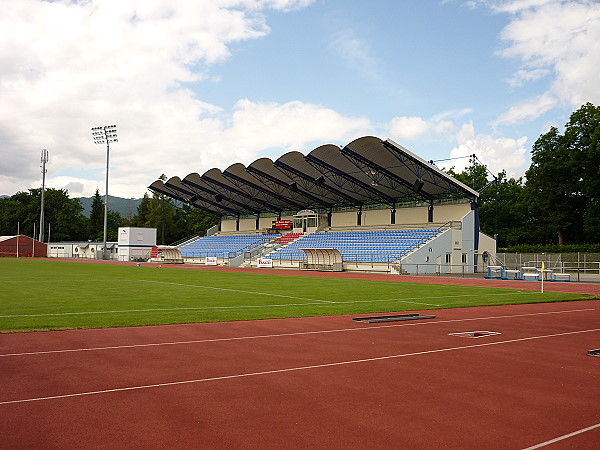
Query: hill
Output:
(127,207)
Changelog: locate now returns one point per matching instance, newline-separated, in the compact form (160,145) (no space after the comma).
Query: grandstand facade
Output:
(379,206)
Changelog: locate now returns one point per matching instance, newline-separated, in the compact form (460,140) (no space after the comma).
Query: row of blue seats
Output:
(224,245)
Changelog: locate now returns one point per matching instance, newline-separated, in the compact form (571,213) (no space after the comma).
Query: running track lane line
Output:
(564,436)
(292,369)
(299,333)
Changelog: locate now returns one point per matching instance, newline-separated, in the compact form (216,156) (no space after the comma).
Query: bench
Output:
(561,277)
(511,274)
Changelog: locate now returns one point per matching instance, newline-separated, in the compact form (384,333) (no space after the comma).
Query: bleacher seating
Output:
(371,246)
(224,246)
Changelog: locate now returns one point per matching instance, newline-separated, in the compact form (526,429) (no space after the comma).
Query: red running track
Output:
(324,382)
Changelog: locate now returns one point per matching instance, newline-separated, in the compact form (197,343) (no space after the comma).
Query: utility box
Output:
(135,243)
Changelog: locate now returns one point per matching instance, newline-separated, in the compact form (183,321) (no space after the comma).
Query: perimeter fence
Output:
(581,266)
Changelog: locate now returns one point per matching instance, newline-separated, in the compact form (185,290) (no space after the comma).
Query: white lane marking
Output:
(293,369)
(299,333)
(565,436)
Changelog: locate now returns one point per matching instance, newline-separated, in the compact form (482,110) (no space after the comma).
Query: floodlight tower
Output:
(105,135)
(43,160)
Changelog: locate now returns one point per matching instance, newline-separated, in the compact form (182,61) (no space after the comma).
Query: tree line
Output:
(21,213)
(556,202)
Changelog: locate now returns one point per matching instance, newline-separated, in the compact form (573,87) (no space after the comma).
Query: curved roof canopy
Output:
(366,171)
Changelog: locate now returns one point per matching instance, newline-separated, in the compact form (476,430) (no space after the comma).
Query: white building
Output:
(83,250)
(135,244)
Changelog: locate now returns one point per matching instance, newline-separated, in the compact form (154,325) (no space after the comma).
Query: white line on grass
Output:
(299,333)
(279,305)
(292,369)
(234,290)
(566,436)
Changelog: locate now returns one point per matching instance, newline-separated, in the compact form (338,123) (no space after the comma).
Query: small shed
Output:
(21,246)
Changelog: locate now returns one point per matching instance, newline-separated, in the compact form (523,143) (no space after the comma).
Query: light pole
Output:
(43,160)
(105,135)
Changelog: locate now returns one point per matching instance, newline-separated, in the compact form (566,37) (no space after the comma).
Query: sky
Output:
(197,84)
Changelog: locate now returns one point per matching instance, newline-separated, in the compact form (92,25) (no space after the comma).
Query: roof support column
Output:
(430,211)
(393,214)
(329,214)
(237,223)
(359,216)
(257,221)
(475,209)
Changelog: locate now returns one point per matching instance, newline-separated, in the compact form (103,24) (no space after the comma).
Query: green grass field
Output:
(49,294)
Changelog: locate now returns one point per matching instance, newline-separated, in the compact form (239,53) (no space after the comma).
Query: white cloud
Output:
(556,38)
(528,110)
(412,128)
(496,153)
(290,126)
(70,65)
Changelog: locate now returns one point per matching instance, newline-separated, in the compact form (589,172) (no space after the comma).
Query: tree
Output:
(502,208)
(161,215)
(582,138)
(192,221)
(140,218)
(62,214)
(563,181)
(114,221)
(96,232)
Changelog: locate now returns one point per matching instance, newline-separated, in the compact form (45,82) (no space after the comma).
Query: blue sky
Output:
(196,84)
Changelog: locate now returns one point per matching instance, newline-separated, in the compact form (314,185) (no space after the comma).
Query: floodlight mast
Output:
(105,135)
(43,160)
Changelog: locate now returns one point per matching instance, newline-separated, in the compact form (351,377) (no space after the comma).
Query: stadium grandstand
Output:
(372,203)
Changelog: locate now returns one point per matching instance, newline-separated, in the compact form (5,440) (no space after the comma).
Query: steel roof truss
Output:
(342,178)
(383,176)
(276,184)
(245,184)
(196,196)
(242,207)
(225,190)
(170,193)
(308,183)
(423,173)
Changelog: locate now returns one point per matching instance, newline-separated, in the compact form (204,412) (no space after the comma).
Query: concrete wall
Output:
(371,217)
(446,213)
(377,217)
(431,257)
(453,252)
(344,219)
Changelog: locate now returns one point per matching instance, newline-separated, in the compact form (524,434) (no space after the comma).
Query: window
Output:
(448,258)
(464,258)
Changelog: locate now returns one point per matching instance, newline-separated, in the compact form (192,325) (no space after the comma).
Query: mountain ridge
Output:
(127,207)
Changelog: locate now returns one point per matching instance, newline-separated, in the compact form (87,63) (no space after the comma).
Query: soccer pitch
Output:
(50,295)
